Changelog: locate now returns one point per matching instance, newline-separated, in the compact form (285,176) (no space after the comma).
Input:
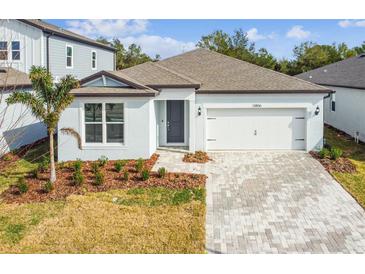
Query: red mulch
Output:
(11,157)
(63,187)
(342,164)
(197,157)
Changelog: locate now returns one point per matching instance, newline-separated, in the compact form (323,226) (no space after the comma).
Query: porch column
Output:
(192,125)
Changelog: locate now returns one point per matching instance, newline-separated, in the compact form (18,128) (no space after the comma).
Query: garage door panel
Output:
(255,129)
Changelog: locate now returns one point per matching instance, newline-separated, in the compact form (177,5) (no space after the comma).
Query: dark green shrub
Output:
(145,174)
(95,167)
(139,165)
(103,160)
(44,164)
(162,172)
(126,175)
(323,153)
(22,185)
(78,178)
(182,196)
(48,187)
(99,179)
(77,165)
(118,165)
(335,153)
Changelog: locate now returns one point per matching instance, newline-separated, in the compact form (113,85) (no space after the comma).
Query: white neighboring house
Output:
(199,100)
(24,43)
(344,109)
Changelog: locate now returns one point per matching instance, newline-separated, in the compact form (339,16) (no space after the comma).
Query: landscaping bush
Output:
(78,178)
(335,153)
(7,157)
(95,167)
(44,164)
(103,160)
(118,166)
(126,176)
(48,187)
(145,174)
(182,196)
(139,165)
(77,165)
(162,172)
(22,185)
(99,179)
(323,153)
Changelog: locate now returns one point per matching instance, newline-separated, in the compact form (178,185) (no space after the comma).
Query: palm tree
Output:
(47,102)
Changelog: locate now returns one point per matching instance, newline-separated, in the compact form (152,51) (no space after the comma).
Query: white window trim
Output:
(72,57)
(96,60)
(7,50)
(104,144)
(11,52)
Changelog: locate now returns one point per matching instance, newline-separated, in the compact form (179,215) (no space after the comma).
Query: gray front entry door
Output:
(175,121)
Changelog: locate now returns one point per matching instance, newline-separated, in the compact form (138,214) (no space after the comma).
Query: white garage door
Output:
(229,129)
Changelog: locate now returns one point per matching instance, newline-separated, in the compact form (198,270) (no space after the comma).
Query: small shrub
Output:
(35,173)
(162,172)
(145,174)
(126,175)
(77,165)
(61,165)
(118,166)
(323,153)
(7,157)
(22,185)
(182,196)
(48,187)
(44,164)
(103,160)
(95,167)
(78,178)
(199,194)
(139,165)
(335,153)
(99,179)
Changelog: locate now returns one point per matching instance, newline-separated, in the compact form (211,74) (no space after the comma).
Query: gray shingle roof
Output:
(220,73)
(11,78)
(44,26)
(347,73)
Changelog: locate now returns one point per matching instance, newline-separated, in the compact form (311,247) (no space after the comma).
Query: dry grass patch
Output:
(150,220)
(197,157)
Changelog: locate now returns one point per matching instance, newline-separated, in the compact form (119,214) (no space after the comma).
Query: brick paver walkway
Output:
(274,202)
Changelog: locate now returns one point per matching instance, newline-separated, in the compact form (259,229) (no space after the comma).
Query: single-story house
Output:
(344,109)
(18,126)
(199,100)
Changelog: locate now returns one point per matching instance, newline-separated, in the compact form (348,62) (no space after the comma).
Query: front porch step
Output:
(174,149)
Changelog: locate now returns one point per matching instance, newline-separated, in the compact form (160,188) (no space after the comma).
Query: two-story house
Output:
(24,43)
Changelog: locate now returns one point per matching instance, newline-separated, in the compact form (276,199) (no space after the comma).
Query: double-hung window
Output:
(333,102)
(69,56)
(104,123)
(93,59)
(15,50)
(3,50)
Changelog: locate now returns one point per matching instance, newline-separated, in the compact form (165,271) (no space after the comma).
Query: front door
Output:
(175,121)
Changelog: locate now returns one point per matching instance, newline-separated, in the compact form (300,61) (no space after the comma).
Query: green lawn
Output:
(353,183)
(150,220)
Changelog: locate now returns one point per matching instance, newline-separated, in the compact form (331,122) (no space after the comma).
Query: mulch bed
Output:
(197,157)
(342,164)
(11,157)
(64,187)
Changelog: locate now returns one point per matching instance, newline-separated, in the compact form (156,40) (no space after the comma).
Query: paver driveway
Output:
(274,202)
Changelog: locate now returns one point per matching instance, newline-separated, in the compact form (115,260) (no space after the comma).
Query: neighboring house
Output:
(344,109)
(18,126)
(199,100)
(24,43)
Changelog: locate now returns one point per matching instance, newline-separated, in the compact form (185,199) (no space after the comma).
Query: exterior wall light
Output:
(199,111)
(316,112)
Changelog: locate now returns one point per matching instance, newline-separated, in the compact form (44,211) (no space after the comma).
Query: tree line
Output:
(306,56)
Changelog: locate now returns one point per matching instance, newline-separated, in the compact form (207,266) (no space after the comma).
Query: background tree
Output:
(47,102)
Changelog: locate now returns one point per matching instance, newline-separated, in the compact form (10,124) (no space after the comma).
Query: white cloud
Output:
(351,23)
(153,44)
(254,35)
(107,28)
(298,32)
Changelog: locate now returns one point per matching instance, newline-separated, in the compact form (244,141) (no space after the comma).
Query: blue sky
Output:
(170,37)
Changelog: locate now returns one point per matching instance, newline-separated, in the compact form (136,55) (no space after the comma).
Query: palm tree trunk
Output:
(51,155)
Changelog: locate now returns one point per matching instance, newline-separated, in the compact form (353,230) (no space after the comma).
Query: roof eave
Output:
(196,86)
(324,91)
(114,94)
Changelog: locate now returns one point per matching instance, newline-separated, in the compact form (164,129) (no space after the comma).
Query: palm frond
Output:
(30,100)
